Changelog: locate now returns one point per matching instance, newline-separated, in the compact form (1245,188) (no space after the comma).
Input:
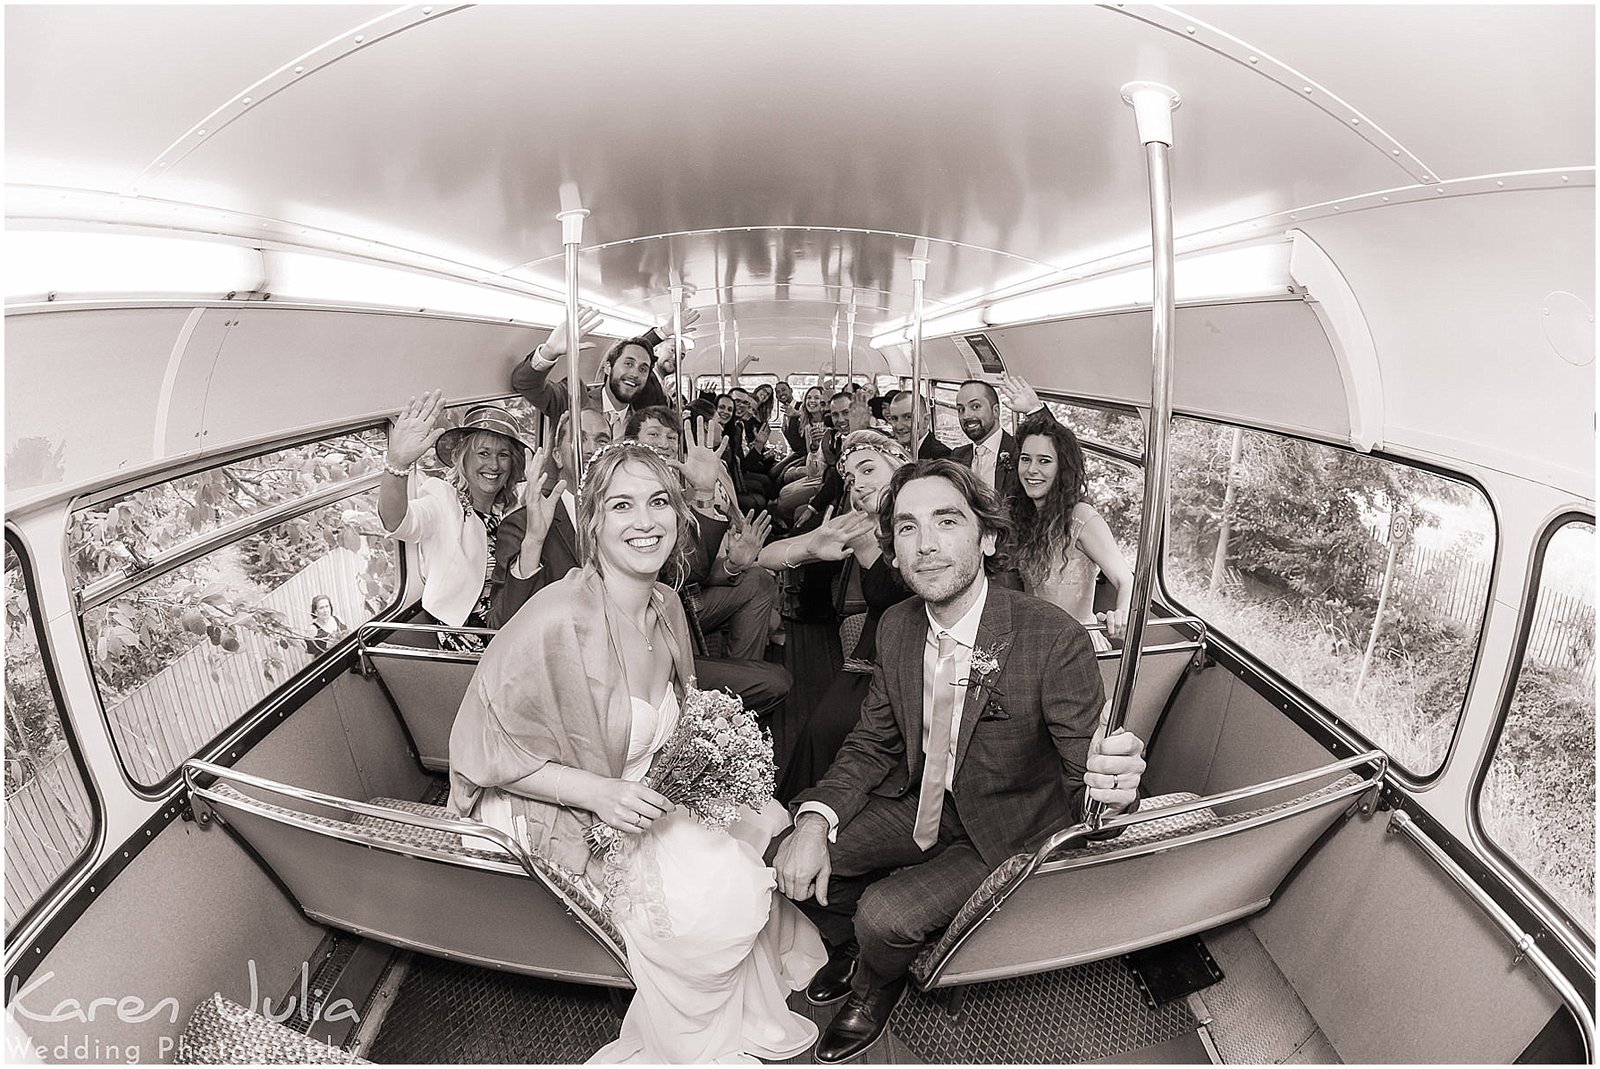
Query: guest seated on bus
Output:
(1062,543)
(750,440)
(855,416)
(993,453)
(627,370)
(868,459)
(455,524)
(558,728)
(899,409)
(798,422)
(326,628)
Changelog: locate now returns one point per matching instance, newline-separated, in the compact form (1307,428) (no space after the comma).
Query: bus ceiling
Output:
(317,200)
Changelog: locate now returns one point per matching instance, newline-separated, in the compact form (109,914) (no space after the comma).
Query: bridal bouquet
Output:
(715,762)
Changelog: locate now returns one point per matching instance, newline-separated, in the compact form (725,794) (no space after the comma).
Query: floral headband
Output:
(876,441)
(632,444)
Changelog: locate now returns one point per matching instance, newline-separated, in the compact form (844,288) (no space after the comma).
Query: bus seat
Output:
(1166,655)
(426,684)
(222,1032)
(399,873)
(1177,869)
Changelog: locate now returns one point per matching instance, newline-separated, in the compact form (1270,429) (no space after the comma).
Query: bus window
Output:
(181,656)
(1117,428)
(49,818)
(1537,799)
(111,535)
(1360,580)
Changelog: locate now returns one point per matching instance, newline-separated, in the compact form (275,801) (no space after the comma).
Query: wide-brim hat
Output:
(491,418)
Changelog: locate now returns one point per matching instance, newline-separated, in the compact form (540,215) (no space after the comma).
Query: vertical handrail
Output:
(572,215)
(679,398)
(1153,105)
(919,278)
(850,338)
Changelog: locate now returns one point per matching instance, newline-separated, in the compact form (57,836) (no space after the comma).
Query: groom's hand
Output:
(802,864)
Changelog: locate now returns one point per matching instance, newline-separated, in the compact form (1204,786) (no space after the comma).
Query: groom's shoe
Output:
(857,1026)
(832,981)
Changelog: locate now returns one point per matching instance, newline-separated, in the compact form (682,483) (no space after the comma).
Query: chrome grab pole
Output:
(572,215)
(919,277)
(1153,105)
(679,399)
(850,338)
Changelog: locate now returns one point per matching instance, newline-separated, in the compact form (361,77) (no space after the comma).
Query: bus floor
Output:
(445,1011)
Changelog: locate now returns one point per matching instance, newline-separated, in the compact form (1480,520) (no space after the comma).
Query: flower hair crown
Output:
(876,441)
(630,444)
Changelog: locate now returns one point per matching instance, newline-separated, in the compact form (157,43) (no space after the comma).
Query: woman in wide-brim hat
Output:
(455,522)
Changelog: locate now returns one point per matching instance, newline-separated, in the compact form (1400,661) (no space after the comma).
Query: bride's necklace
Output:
(644,633)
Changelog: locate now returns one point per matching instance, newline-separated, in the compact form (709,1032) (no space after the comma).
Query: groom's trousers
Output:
(889,894)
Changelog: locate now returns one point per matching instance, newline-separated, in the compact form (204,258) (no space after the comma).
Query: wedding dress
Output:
(713,948)
(1070,585)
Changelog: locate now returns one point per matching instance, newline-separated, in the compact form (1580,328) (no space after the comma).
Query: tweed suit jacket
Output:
(1025,728)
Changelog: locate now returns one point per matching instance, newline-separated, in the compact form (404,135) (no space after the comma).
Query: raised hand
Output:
(555,346)
(703,446)
(1018,395)
(746,537)
(1114,767)
(832,541)
(691,316)
(541,506)
(414,429)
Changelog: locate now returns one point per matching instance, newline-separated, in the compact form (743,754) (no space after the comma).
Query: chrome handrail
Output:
(518,854)
(1525,944)
(1081,832)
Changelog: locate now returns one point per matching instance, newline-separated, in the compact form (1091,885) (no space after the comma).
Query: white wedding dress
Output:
(713,948)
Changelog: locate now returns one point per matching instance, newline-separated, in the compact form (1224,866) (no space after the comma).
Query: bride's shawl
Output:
(550,687)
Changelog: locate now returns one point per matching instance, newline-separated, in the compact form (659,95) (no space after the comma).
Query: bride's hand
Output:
(626,805)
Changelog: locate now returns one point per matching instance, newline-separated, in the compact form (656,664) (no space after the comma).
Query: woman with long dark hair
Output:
(1063,544)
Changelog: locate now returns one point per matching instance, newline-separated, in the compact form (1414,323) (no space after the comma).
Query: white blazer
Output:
(453,546)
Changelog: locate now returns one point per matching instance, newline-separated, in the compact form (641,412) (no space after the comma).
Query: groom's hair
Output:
(985,505)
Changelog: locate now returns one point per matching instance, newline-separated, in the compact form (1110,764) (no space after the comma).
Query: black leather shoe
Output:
(857,1026)
(832,981)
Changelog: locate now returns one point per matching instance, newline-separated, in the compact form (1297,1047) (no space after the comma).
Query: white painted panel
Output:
(1454,292)
(1267,363)
(82,390)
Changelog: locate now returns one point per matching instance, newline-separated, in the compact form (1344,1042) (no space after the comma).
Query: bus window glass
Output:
(108,537)
(49,821)
(1537,803)
(1105,426)
(946,424)
(1360,580)
(180,658)
(1116,490)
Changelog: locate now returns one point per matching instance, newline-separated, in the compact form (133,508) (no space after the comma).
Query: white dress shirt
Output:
(985,455)
(965,633)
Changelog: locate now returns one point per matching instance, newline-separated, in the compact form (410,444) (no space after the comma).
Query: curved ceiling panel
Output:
(994,127)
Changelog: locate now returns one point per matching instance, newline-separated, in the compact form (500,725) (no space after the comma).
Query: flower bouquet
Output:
(716,761)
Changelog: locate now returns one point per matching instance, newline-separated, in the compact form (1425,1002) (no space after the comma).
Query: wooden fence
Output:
(1562,635)
(163,722)
(47,827)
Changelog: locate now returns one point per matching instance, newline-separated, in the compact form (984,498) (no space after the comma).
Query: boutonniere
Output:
(983,673)
(1005,458)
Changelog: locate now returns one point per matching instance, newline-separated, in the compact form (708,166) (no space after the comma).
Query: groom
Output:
(974,743)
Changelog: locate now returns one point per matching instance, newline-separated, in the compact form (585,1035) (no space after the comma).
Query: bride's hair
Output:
(1043,529)
(597,478)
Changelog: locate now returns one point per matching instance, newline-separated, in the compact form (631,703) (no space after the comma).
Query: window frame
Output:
(1508,867)
(203,545)
(47,657)
(1353,735)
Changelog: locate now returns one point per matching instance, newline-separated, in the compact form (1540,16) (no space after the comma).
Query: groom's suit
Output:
(1022,741)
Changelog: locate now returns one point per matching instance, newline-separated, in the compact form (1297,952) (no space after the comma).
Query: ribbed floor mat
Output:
(1257,1018)
(1082,1014)
(448,1012)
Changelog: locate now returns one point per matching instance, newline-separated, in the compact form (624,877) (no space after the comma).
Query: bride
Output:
(567,707)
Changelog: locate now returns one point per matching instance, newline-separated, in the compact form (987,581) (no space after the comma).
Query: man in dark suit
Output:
(977,740)
(900,403)
(629,380)
(993,452)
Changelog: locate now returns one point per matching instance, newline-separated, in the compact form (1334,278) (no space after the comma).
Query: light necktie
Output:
(980,465)
(930,802)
